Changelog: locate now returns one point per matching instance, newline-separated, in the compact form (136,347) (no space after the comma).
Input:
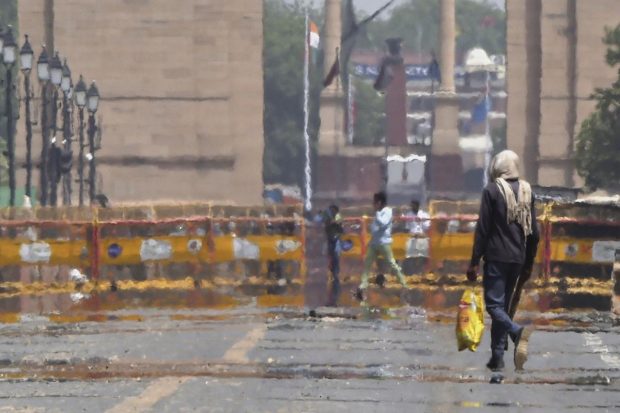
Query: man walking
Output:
(332,222)
(380,243)
(507,237)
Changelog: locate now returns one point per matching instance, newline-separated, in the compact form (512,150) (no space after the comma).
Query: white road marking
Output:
(238,353)
(157,390)
(167,386)
(595,343)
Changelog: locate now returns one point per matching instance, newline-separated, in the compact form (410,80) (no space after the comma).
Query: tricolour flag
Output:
(314,40)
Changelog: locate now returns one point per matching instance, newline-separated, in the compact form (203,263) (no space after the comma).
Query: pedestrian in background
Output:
(332,222)
(417,249)
(418,220)
(507,238)
(380,243)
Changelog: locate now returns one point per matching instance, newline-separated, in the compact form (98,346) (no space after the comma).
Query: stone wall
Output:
(182,88)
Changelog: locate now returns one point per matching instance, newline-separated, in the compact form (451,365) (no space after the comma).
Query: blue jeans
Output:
(499,281)
(333,252)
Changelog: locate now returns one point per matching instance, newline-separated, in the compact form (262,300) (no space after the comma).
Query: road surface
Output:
(248,357)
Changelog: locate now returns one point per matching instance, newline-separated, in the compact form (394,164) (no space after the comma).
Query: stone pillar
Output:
(331,35)
(48,22)
(447,35)
(445,164)
(331,135)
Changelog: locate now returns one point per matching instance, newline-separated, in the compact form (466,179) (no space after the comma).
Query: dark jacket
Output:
(496,239)
(333,225)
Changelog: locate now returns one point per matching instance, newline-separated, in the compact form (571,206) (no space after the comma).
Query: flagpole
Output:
(338,128)
(307,170)
(487,132)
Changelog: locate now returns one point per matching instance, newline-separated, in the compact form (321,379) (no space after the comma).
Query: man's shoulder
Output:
(491,188)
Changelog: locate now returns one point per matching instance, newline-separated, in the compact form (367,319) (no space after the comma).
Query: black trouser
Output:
(333,252)
(499,281)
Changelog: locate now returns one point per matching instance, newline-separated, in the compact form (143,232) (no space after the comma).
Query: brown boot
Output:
(521,343)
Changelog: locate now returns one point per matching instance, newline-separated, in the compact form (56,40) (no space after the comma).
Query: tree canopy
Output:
(8,16)
(369,119)
(598,142)
(283,59)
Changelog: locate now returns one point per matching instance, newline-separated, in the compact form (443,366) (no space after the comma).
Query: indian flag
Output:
(313,35)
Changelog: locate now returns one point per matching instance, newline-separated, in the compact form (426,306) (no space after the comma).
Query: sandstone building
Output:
(182,92)
(556,59)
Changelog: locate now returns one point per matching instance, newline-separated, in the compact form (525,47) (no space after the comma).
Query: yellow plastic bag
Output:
(470,320)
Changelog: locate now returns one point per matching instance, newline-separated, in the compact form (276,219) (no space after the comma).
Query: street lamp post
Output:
(43,73)
(80,101)
(53,163)
(26,56)
(92,104)
(9,48)
(67,154)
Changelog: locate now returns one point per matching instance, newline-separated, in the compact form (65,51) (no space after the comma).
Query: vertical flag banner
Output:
(434,72)
(350,30)
(334,71)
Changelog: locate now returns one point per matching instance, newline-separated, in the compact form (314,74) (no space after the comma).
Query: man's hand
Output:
(472,273)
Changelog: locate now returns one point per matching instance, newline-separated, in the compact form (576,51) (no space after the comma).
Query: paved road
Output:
(256,359)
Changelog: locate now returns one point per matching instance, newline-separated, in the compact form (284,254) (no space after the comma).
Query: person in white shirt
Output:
(418,220)
(417,248)
(380,243)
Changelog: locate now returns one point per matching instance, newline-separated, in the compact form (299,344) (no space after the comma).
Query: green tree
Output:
(369,115)
(598,142)
(283,59)
(8,16)
(8,13)
(479,24)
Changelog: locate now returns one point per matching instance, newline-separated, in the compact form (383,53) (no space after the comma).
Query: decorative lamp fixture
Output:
(80,93)
(56,70)
(65,81)
(9,47)
(26,55)
(92,98)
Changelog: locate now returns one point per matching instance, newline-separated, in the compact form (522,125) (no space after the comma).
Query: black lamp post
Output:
(43,73)
(9,52)
(80,101)
(92,105)
(66,159)
(26,56)
(54,155)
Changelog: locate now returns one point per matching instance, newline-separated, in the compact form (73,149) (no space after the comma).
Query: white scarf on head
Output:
(504,166)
